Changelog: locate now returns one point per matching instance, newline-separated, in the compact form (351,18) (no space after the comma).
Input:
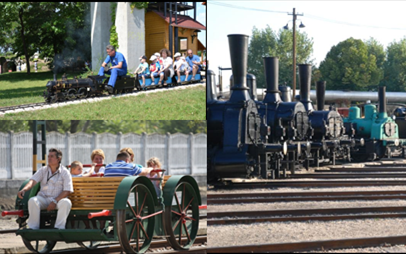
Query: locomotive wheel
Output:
(47,248)
(182,217)
(82,93)
(71,95)
(135,224)
(91,245)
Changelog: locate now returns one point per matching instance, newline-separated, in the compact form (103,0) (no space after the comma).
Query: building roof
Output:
(200,45)
(183,21)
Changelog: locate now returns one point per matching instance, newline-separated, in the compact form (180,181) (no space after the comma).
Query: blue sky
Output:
(327,22)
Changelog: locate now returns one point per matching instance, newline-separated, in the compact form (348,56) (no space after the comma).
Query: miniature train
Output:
(72,89)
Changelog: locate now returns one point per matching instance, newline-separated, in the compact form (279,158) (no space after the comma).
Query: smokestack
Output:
(211,86)
(251,83)
(54,77)
(271,65)
(382,99)
(305,76)
(285,90)
(239,58)
(320,92)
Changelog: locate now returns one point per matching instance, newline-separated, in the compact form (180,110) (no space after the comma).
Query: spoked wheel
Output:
(47,248)
(136,223)
(89,245)
(182,217)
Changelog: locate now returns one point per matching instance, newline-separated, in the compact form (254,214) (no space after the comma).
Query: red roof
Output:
(183,21)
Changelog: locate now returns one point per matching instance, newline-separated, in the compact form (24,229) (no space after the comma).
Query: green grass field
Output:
(22,88)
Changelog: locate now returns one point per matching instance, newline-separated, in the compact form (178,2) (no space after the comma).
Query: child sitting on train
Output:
(154,67)
(154,163)
(161,63)
(181,66)
(76,169)
(142,70)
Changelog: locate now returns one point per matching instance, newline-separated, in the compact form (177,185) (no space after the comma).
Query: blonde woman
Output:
(98,158)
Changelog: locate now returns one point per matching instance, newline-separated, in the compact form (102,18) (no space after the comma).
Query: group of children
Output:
(180,66)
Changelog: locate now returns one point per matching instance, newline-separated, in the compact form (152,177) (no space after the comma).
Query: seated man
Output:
(56,185)
(118,66)
(122,167)
(194,62)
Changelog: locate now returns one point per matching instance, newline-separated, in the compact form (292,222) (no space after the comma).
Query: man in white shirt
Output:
(56,185)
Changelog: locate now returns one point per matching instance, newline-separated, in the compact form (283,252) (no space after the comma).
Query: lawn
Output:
(18,88)
(184,104)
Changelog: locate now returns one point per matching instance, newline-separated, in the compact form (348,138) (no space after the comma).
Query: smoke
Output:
(77,45)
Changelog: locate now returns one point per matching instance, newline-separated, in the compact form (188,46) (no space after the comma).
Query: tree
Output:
(349,65)
(269,43)
(395,67)
(378,51)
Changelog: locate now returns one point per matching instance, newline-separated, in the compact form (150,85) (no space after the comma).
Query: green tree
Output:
(376,49)
(395,67)
(269,43)
(349,65)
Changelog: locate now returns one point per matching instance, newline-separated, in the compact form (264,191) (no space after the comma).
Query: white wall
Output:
(179,153)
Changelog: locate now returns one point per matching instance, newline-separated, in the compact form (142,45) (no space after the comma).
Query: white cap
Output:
(157,54)
(153,57)
(177,54)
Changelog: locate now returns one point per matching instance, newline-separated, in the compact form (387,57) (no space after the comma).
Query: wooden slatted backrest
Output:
(94,193)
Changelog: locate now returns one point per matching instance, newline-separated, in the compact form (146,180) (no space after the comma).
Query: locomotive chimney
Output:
(239,58)
(54,77)
(305,75)
(271,65)
(211,86)
(320,92)
(382,99)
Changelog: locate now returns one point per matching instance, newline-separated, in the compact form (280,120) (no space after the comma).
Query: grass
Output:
(184,104)
(18,88)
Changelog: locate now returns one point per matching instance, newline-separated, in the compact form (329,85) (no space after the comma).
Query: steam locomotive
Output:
(72,89)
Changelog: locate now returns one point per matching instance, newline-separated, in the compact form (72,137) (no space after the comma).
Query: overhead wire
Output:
(307,15)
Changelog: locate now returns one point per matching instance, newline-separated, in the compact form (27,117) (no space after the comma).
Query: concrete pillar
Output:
(100,15)
(131,34)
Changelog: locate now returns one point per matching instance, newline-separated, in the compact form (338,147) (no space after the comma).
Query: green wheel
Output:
(49,245)
(135,224)
(182,217)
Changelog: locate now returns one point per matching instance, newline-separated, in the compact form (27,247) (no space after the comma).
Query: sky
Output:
(201,17)
(327,22)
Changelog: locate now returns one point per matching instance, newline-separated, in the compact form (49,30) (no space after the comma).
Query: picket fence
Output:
(179,153)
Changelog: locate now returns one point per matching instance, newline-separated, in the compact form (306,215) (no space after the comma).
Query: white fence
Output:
(179,153)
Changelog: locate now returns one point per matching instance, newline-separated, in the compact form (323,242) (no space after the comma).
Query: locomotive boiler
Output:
(237,134)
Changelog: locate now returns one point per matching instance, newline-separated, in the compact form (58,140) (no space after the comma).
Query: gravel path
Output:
(304,205)
(301,189)
(383,249)
(282,232)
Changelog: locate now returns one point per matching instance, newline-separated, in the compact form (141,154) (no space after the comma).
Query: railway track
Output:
(260,197)
(44,105)
(335,177)
(330,214)
(311,245)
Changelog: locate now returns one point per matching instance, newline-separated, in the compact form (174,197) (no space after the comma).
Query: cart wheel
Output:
(90,245)
(135,224)
(47,248)
(182,217)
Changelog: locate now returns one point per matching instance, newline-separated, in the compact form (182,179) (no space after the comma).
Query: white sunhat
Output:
(153,57)
(157,54)
(177,54)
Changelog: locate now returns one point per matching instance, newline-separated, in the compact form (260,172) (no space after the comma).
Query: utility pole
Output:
(294,14)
